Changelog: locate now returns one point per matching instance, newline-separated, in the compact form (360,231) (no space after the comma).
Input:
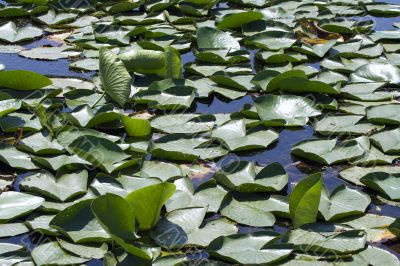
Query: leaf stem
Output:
(101,97)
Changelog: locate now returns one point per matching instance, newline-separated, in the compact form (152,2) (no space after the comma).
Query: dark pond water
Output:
(280,152)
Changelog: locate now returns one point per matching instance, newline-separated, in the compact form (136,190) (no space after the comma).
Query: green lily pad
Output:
(183,123)
(248,210)
(285,110)
(209,194)
(327,239)
(184,227)
(385,183)
(244,176)
(15,158)
(16,204)
(182,147)
(10,33)
(102,153)
(342,202)
(328,151)
(23,80)
(254,248)
(79,223)
(384,114)
(234,136)
(212,38)
(61,187)
(387,141)
(148,201)
(345,125)
(51,253)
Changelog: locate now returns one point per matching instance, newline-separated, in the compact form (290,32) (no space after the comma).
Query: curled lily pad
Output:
(148,201)
(385,183)
(244,176)
(305,199)
(11,33)
(165,63)
(114,77)
(384,114)
(236,18)
(254,248)
(327,239)
(328,151)
(79,223)
(387,141)
(208,194)
(376,72)
(185,227)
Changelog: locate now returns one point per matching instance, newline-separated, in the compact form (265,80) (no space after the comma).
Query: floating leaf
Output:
(234,136)
(51,253)
(212,38)
(328,151)
(209,194)
(255,248)
(79,223)
(185,148)
(11,34)
(184,227)
(342,202)
(244,176)
(16,204)
(327,239)
(61,187)
(285,110)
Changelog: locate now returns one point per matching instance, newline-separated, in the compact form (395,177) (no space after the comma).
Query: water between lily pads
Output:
(279,152)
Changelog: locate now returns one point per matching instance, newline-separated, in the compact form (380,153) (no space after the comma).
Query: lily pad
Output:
(182,147)
(16,204)
(342,202)
(285,110)
(254,248)
(234,136)
(244,176)
(328,151)
(10,33)
(61,187)
(184,227)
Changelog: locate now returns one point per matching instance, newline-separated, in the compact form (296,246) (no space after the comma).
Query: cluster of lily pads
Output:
(106,164)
